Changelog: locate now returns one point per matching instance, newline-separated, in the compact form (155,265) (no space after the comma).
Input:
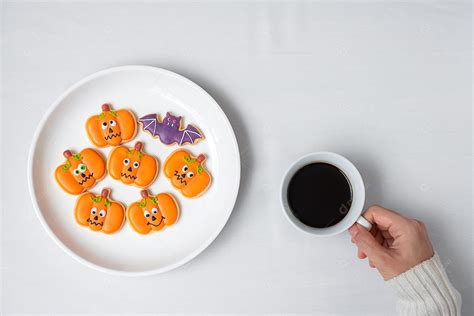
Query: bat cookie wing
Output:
(190,135)
(150,124)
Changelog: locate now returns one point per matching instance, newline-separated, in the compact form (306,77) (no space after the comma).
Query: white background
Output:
(386,84)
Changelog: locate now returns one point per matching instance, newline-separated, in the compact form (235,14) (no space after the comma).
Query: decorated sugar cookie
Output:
(187,173)
(132,166)
(153,213)
(99,213)
(111,128)
(80,171)
(169,130)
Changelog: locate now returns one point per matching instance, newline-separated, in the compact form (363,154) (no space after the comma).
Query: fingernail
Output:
(353,230)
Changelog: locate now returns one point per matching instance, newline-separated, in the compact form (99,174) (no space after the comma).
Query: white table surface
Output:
(386,84)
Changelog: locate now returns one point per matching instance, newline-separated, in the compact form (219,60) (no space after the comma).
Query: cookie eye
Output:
(146,214)
(94,210)
(112,123)
(126,161)
(82,167)
(104,125)
(136,164)
(190,174)
(185,168)
(154,210)
(77,172)
(102,213)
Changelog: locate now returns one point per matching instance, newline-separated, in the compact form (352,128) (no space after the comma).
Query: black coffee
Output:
(319,195)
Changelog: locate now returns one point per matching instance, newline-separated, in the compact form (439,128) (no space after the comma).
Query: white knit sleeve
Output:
(426,290)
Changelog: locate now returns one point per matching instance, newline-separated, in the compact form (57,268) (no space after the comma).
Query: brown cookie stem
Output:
(201,158)
(138,146)
(105,107)
(67,153)
(144,193)
(105,193)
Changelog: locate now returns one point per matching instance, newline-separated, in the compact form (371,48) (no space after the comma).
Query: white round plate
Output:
(144,90)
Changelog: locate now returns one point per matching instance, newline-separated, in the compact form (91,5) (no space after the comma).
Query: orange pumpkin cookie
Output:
(132,166)
(99,213)
(153,213)
(111,128)
(80,171)
(187,173)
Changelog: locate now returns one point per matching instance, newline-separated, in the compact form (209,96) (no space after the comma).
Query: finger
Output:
(385,219)
(386,234)
(390,242)
(368,244)
(379,238)
(360,253)
(371,264)
(374,231)
(387,243)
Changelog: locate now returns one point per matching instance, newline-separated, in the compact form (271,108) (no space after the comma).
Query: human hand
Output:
(394,244)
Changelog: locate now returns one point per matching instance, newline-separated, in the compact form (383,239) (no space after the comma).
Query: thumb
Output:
(367,244)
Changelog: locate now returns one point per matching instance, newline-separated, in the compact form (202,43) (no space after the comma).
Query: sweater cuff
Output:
(426,290)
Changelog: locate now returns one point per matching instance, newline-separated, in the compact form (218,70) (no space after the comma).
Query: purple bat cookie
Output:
(169,130)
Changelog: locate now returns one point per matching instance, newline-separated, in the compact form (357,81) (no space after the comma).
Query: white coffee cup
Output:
(354,214)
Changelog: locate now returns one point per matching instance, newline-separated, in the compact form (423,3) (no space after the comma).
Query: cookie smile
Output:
(156,225)
(86,178)
(180,178)
(109,137)
(128,176)
(94,223)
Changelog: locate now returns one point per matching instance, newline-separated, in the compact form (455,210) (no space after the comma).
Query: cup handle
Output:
(362,221)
